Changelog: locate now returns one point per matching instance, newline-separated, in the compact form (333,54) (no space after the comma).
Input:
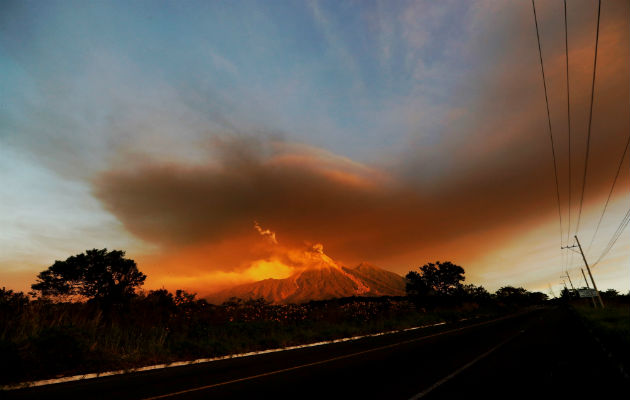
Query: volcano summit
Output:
(318,277)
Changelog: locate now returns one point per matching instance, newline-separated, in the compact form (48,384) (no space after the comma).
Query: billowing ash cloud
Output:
(311,195)
(271,236)
(487,177)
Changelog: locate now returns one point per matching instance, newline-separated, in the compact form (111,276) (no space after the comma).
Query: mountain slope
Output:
(379,280)
(321,283)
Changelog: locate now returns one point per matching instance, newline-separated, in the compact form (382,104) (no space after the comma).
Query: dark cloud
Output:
(490,176)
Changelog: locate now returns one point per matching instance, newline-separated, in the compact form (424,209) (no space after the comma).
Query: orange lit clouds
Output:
(488,177)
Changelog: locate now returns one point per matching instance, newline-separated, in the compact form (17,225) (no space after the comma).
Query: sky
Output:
(395,133)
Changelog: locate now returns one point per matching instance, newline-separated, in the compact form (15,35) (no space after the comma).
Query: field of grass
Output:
(40,339)
(611,325)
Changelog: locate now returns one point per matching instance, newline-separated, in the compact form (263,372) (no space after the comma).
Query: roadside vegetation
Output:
(610,324)
(88,314)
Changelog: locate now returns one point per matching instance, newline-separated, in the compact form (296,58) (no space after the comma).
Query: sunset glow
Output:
(222,143)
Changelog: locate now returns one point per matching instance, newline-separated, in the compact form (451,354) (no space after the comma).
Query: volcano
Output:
(327,280)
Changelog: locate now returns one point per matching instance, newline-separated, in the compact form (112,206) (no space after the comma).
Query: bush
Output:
(59,348)
(40,339)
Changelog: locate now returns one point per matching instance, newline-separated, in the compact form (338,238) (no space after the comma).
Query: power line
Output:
(566,51)
(553,151)
(590,118)
(615,237)
(623,156)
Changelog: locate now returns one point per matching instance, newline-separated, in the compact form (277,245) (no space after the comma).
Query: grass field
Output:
(611,325)
(40,340)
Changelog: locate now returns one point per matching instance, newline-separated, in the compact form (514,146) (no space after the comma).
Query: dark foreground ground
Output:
(545,353)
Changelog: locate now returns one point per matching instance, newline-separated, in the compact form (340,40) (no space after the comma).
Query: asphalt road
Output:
(542,354)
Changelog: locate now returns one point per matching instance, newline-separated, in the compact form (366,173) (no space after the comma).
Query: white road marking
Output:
(460,370)
(196,389)
(73,378)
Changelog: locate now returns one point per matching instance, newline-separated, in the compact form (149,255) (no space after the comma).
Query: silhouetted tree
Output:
(442,278)
(161,298)
(12,300)
(416,286)
(436,283)
(11,305)
(565,294)
(475,293)
(105,277)
(537,297)
(609,294)
(511,291)
(511,295)
(520,296)
(161,304)
(183,298)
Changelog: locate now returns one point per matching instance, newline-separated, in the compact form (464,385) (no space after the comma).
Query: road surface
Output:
(541,354)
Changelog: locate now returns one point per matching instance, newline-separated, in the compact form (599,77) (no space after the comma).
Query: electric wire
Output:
(601,217)
(553,151)
(615,237)
(590,119)
(566,52)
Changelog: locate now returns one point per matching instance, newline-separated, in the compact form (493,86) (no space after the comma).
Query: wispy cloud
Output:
(389,132)
(336,43)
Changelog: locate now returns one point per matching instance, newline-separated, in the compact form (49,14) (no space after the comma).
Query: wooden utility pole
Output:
(599,297)
(566,273)
(564,283)
(587,286)
(585,280)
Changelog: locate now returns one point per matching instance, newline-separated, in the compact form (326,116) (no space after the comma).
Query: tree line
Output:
(441,284)
(90,314)
(109,279)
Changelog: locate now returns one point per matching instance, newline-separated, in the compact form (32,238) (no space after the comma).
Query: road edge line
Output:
(248,378)
(95,375)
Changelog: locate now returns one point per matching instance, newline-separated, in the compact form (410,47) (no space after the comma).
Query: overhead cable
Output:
(590,118)
(553,151)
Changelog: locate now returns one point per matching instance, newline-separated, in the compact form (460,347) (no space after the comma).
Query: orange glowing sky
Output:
(395,135)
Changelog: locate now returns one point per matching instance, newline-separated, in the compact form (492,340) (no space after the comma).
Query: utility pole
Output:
(599,297)
(566,274)
(565,287)
(588,287)
(585,280)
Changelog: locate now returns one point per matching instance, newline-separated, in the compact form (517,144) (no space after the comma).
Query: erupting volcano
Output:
(316,276)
